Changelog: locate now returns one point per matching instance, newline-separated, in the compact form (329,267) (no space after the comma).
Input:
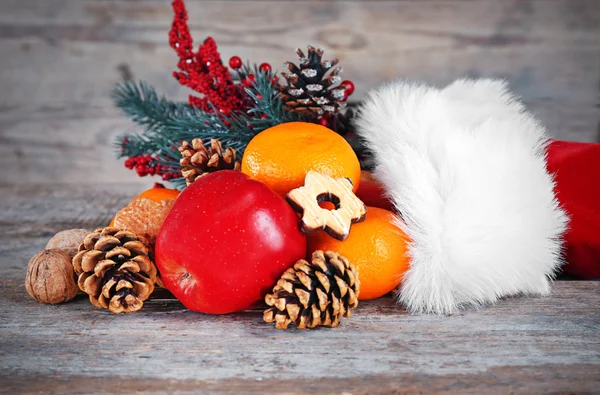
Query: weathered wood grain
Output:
(566,379)
(57,121)
(520,345)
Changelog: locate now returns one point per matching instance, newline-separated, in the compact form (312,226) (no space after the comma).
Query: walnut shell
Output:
(68,240)
(50,277)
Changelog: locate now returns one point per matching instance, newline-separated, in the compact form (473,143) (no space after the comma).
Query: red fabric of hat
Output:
(577,173)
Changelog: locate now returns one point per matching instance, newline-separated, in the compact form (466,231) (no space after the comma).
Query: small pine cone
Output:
(312,88)
(313,294)
(114,269)
(197,160)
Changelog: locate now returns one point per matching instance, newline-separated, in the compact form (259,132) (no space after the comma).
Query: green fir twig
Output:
(165,124)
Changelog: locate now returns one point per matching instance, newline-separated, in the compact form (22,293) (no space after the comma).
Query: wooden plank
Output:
(566,379)
(166,342)
(520,345)
(66,55)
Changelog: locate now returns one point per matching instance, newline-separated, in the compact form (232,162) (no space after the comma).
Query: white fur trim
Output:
(466,168)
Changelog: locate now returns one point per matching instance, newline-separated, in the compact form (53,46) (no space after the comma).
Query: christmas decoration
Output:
(197,160)
(576,168)
(465,166)
(203,71)
(167,124)
(320,188)
(282,155)
(312,88)
(50,278)
(67,240)
(314,294)
(115,269)
(229,109)
(376,246)
(145,214)
(225,242)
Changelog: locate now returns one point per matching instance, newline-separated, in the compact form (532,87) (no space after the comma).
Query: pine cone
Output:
(313,294)
(115,270)
(197,160)
(310,88)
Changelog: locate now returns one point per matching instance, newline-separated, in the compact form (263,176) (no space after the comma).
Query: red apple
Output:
(226,242)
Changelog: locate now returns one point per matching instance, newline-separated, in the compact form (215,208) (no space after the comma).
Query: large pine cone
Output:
(197,160)
(313,294)
(311,88)
(115,270)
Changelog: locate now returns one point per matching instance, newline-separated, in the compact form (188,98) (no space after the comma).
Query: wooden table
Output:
(60,60)
(520,345)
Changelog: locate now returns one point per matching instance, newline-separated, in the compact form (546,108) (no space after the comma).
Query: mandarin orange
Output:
(378,248)
(372,192)
(282,155)
(159,194)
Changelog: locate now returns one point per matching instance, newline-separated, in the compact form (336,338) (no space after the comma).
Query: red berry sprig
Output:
(265,67)
(203,71)
(323,121)
(146,165)
(249,81)
(349,88)
(235,62)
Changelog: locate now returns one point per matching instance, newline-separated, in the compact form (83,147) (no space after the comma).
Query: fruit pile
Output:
(289,228)
(274,206)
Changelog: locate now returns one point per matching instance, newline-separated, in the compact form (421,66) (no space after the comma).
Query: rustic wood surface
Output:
(62,57)
(520,345)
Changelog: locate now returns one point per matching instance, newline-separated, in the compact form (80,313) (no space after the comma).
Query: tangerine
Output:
(159,194)
(282,155)
(378,248)
(372,192)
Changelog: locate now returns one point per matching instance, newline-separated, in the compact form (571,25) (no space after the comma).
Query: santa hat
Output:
(465,166)
(576,170)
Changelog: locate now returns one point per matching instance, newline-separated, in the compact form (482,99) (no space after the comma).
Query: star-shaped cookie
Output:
(319,188)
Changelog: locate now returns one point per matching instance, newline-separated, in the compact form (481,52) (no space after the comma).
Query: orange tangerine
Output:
(378,248)
(282,155)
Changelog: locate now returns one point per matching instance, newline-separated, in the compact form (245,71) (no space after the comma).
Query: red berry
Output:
(249,80)
(274,80)
(235,62)
(265,67)
(349,85)
(323,122)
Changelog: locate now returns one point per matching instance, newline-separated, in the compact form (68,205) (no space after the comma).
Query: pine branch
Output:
(141,104)
(268,109)
(166,124)
(167,121)
(129,145)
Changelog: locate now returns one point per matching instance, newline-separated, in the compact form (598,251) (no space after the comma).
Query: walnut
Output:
(68,240)
(50,277)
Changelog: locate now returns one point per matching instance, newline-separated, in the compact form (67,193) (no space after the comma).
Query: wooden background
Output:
(60,59)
